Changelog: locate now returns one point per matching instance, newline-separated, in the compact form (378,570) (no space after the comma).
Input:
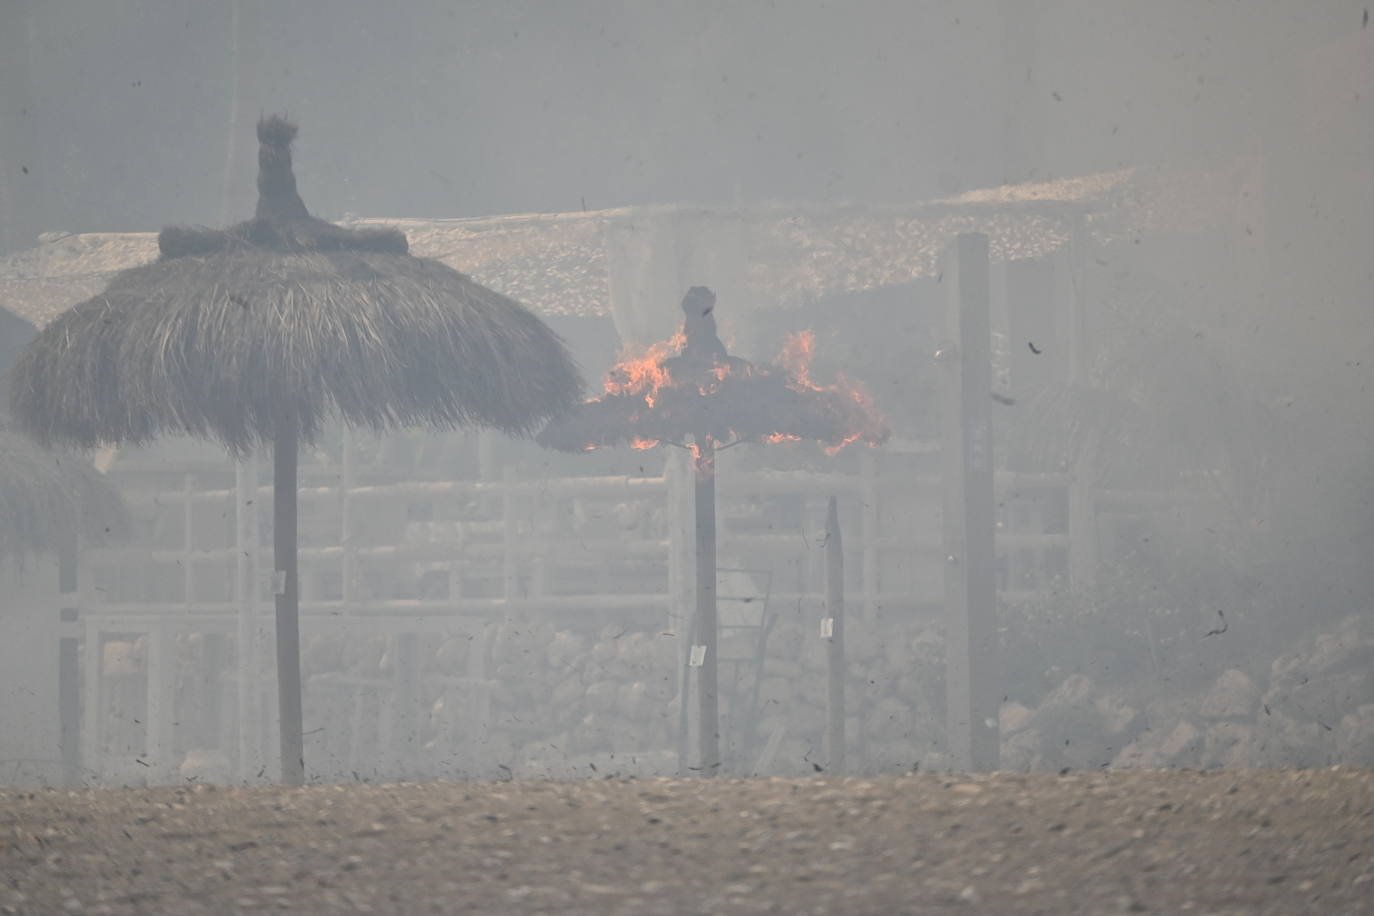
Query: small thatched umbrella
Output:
(49,503)
(259,332)
(48,499)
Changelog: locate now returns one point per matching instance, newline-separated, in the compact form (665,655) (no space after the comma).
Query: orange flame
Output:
(703,462)
(795,357)
(644,374)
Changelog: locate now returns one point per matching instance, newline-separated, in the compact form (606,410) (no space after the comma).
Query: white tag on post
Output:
(697,658)
(279,582)
(827,628)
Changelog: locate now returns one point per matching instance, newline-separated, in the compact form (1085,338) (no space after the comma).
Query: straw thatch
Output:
(704,391)
(757,405)
(287,316)
(562,263)
(46,498)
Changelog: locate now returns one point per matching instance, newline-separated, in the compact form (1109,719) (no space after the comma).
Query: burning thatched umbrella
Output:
(690,387)
(259,332)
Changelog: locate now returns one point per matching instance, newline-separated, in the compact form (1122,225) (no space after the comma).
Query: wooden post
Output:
(246,596)
(69,664)
(832,629)
(708,714)
(510,565)
(188,525)
(349,572)
(405,718)
(160,669)
(869,524)
(1082,511)
(677,474)
(969,513)
(286,587)
(92,743)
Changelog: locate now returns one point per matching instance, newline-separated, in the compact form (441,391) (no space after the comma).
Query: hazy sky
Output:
(124,111)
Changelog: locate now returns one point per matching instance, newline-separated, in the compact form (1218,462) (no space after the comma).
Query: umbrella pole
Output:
(284,457)
(708,718)
(834,608)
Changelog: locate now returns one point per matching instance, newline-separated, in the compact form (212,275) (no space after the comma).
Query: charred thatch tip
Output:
(275,131)
(700,300)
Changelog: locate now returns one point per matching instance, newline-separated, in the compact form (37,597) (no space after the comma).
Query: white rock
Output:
(1013,717)
(1233,696)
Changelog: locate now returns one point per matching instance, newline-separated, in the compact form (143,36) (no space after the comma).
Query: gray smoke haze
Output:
(465,109)
(129,115)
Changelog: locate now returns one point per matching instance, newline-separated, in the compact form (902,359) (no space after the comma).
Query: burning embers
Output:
(690,386)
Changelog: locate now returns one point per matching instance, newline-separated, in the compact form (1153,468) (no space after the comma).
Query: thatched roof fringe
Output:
(288,317)
(377,340)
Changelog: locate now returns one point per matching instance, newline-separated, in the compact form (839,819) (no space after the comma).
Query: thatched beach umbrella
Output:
(259,332)
(49,499)
(50,503)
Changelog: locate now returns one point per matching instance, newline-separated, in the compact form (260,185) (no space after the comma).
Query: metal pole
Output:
(708,711)
(969,513)
(286,584)
(832,629)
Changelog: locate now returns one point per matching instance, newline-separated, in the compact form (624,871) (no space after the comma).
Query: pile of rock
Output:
(893,689)
(562,695)
(557,700)
(1314,708)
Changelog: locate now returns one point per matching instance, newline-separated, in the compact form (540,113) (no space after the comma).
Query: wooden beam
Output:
(969,511)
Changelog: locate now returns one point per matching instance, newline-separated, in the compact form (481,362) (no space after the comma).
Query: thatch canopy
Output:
(692,387)
(259,332)
(46,498)
(287,316)
(760,404)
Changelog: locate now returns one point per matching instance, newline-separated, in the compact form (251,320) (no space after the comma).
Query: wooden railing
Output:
(512,554)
